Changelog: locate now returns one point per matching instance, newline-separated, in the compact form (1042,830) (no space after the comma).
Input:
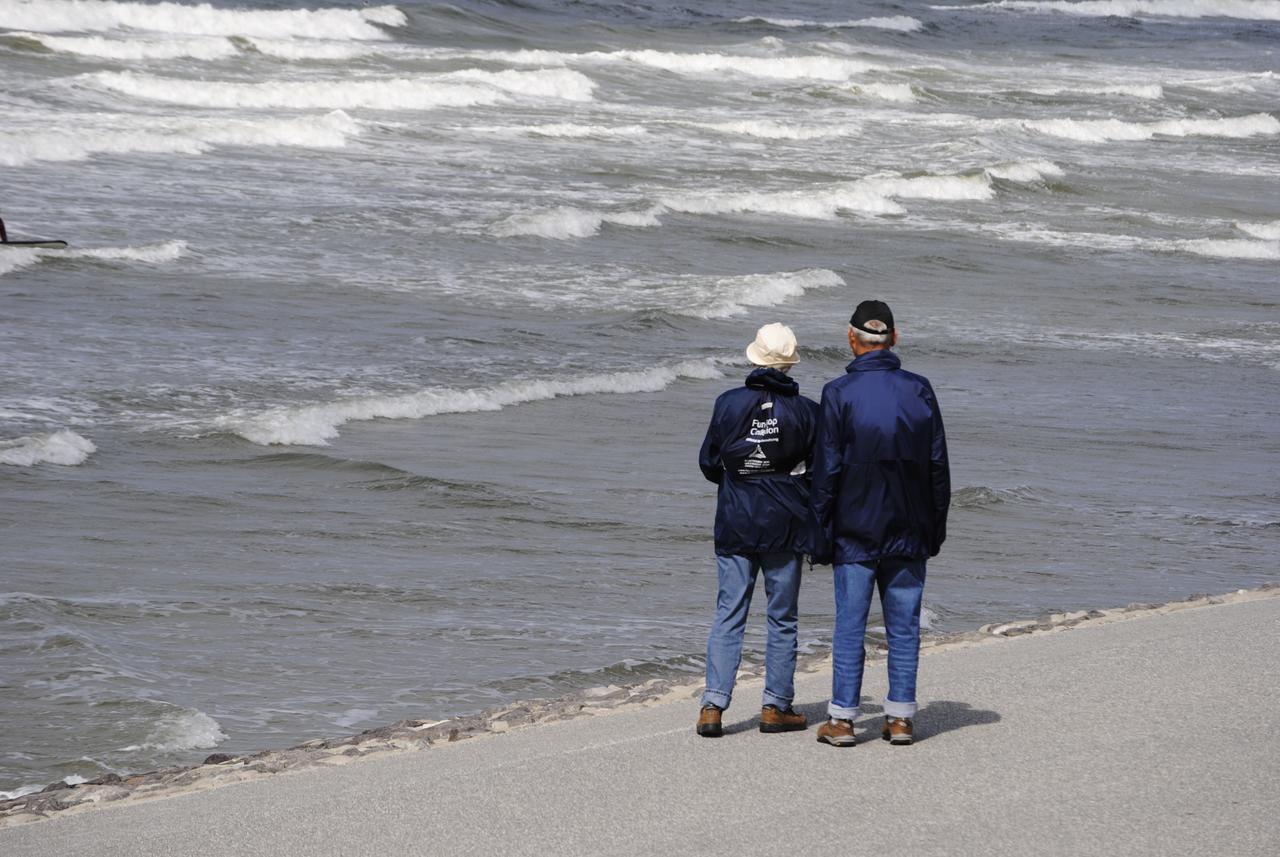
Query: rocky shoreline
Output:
(415,735)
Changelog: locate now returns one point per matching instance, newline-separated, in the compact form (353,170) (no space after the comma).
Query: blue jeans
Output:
(724,645)
(901,583)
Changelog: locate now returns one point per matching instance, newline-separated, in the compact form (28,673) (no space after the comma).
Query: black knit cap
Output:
(872,311)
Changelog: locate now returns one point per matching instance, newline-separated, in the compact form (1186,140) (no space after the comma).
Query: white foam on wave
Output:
(466,88)
(1146,92)
(1266,231)
(700,64)
(80,141)
(771,129)
(1256,10)
(1217,248)
(565,221)
(63,447)
(288,49)
(900,23)
(1230,248)
(1106,130)
(732,296)
(79,16)
(12,259)
(574,130)
(1025,172)
(211,48)
(902,93)
(316,425)
(185,729)
(875,195)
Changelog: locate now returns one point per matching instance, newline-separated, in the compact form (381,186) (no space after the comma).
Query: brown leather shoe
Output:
(774,719)
(837,733)
(897,730)
(709,722)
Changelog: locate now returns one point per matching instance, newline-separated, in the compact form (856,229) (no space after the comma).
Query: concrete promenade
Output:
(1158,735)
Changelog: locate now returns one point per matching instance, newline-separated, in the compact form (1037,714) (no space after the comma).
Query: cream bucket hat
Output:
(775,345)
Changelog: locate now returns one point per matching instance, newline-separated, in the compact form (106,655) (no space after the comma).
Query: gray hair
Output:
(872,338)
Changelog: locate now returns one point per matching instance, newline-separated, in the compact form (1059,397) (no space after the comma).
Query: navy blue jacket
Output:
(881,481)
(758,449)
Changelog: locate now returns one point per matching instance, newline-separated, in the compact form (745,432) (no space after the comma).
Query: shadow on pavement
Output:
(932,719)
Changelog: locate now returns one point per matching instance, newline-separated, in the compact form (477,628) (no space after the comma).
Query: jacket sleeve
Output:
(709,457)
(939,476)
(826,476)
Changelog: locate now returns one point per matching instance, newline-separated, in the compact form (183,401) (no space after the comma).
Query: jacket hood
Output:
(873,360)
(773,381)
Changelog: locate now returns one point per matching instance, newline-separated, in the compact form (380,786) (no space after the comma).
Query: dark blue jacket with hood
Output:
(759,449)
(881,480)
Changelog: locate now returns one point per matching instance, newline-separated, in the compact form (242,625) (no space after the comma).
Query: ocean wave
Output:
(185,729)
(211,48)
(63,447)
(770,129)
(564,222)
(779,68)
(975,496)
(732,296)
(12,259)
(901,93)
(574,130)
(1266,231)
(466,88)
(875,195)
(900,23)
(1105,130)
(77,16)
(80,142)
(1254,10)
(1219,248)
(1230,248)
(1025,172)
(1146,92)
(287,49)
(316,425)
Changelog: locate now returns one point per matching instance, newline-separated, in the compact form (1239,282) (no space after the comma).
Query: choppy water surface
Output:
(372,383)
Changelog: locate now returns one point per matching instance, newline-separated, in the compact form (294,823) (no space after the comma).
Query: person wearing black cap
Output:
(880,493)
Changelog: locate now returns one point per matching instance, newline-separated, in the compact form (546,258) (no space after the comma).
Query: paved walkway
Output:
(1159,735)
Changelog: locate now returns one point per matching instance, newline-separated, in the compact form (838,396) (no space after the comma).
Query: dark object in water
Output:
(47,245)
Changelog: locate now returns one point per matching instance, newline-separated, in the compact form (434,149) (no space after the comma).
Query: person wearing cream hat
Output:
(758,450)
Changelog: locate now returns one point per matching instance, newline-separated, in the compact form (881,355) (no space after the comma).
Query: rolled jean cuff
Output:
(839,713)
(782,704)
(717,698)
(899,709)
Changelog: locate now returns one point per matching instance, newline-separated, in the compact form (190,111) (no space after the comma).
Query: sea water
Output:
(372,382)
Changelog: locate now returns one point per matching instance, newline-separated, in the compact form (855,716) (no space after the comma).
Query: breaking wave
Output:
(1230,248)
(316,425)
(779,68)
(769,129)
(199,48)
(466,88)
(21,257)
(1147,92)
(1105,130)
(180,138)
(77,16)
(63,447)
(185,729)
(1266,231)
(872,196)
(900,23)
(875,195)
(564,222)
(1025,172)
(732,296)
(1256,10)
